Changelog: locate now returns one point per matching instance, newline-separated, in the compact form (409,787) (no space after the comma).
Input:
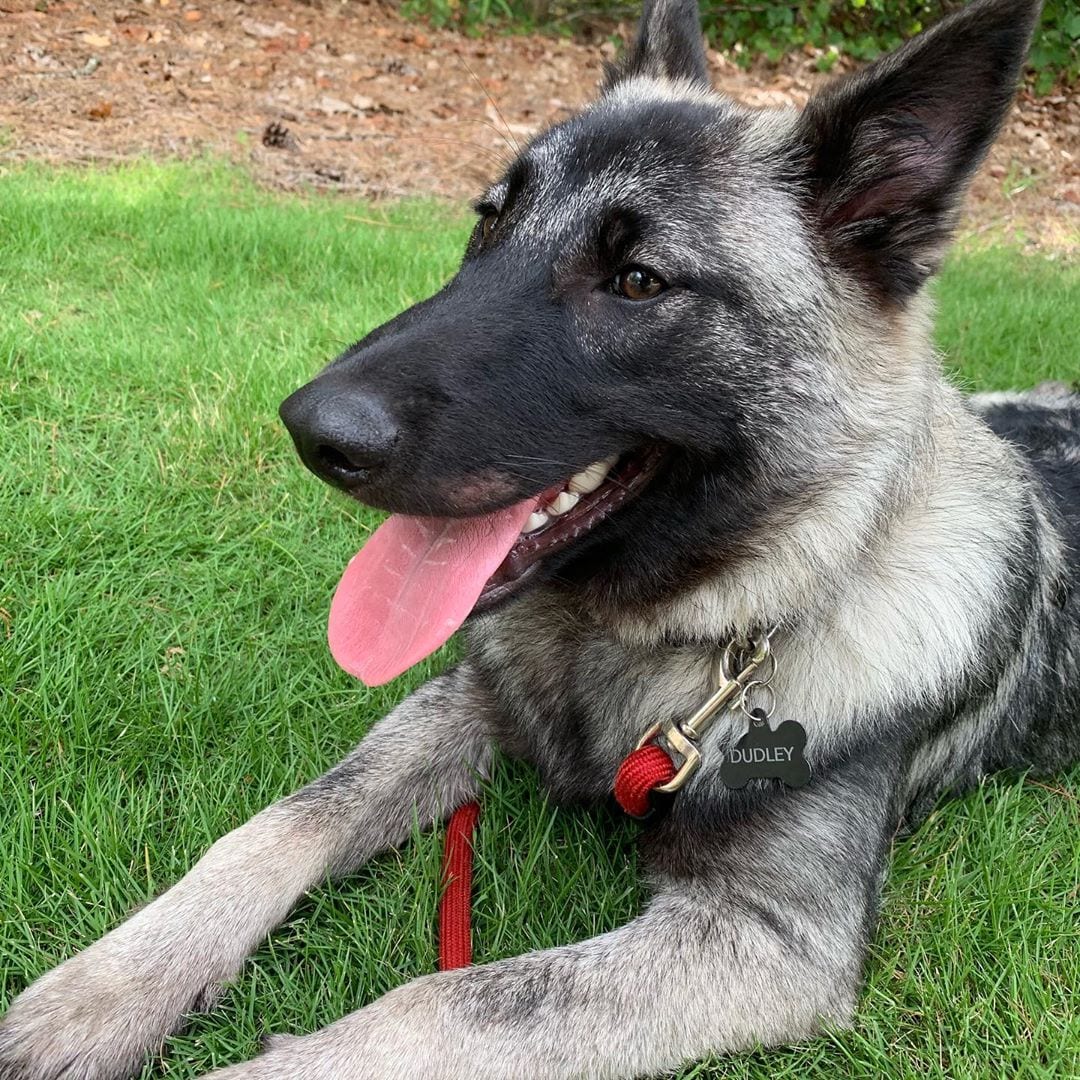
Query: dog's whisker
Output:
(536,460)
(509,136)
(500,156)
(484,122)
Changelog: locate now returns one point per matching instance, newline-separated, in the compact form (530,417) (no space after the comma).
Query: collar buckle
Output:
(739,663)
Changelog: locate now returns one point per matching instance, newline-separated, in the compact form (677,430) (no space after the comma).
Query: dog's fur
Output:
(920,552)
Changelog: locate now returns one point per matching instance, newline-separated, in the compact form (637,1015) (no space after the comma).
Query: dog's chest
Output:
(571,699)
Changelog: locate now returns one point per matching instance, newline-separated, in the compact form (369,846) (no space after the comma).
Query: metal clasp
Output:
(679,744)
(682,736)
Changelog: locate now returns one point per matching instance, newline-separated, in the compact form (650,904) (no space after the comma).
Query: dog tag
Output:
(767,754)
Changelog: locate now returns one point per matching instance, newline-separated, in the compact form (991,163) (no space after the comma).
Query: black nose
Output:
(343,433)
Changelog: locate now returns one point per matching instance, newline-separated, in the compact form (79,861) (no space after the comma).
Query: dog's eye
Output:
(637,283)
(487,227)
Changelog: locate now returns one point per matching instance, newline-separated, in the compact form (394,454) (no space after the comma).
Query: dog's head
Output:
(666,310)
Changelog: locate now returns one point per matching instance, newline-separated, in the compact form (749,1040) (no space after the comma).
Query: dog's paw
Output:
(281,1057)
(276,1042)
(93,1018)
(407,1033)
(80,1021)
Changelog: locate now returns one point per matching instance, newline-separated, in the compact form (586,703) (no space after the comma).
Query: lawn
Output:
(165,572)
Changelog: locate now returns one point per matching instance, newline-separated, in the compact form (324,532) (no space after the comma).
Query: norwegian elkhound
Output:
(679,403)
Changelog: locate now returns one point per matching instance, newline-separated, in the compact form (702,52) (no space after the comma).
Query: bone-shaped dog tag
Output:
(767,754)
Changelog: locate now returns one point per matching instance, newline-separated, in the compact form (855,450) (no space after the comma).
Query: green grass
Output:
(165,569)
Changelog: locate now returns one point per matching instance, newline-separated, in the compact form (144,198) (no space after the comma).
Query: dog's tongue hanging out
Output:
(412,585)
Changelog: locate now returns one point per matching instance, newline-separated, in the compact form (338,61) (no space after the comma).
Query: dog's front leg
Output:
(756,934)
(97,1014)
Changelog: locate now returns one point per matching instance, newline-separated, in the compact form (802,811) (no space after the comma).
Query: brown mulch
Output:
(351,97)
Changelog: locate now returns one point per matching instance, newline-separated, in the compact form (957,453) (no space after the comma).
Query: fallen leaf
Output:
(303,42)
(192,16)
(96,41)
(101,111)
(40,57)
(173,661)
(254,28)
(331,105)
(136,34)
(400,67)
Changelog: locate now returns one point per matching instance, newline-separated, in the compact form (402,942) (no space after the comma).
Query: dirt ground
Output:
(346,95)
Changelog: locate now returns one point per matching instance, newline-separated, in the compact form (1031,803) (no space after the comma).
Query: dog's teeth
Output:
(588,479)
(565,500)
(537,520)
(584,482)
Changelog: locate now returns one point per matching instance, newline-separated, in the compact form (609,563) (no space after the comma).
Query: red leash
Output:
(646,768)
(455,932)
(639,773)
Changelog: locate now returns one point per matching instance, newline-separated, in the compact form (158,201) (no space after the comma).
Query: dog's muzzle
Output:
(343,433)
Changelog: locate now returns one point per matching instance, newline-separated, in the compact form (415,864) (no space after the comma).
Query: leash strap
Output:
(643,770)
(648,767)
(455,931)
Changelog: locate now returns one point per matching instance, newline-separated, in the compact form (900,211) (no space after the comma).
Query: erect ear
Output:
(887,153)
(669,45)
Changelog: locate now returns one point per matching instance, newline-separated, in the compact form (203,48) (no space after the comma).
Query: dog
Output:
(679,401)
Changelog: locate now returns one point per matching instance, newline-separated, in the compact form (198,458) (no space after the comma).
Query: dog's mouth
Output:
(417,580)
(564,514)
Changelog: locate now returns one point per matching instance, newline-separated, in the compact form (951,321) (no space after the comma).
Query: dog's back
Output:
(1045,424)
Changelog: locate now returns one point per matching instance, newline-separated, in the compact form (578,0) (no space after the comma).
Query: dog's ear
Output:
(886,154)
(668,45)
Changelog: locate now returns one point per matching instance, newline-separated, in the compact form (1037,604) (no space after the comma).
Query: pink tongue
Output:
(412,585)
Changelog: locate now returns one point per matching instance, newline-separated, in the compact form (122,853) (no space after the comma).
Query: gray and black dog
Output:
(688,354)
